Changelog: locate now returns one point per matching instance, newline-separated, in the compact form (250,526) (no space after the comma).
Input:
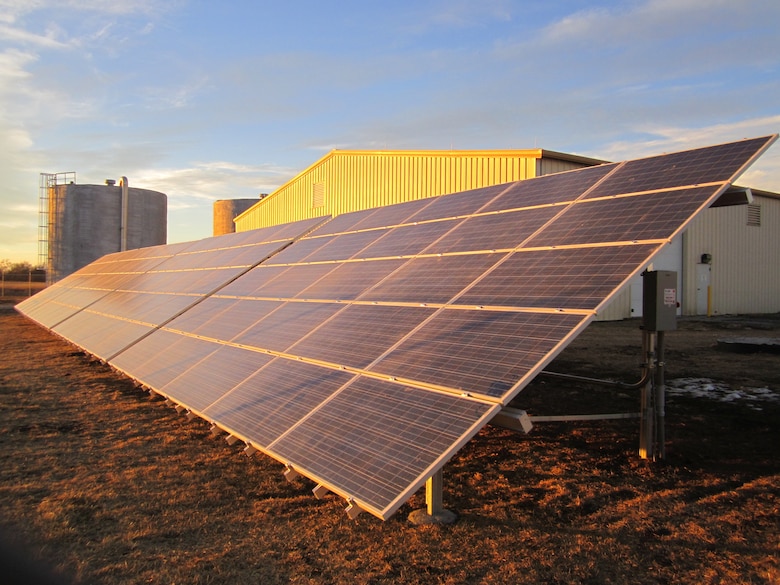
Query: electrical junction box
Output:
(659,300)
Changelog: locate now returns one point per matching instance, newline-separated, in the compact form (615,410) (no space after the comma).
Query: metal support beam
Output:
(434,500)
(647,421)
(320,491)
(434,512)
(660,400)
(290,474)
(353,510)
(513,419)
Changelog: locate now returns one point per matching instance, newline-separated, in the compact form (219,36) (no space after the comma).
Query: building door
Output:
(703,274)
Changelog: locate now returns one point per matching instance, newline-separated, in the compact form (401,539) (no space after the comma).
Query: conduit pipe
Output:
(625,385)
(123,225)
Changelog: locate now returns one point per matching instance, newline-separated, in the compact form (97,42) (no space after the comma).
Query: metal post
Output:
(647,421)
(660,399)
(434,512)
(433,493)
(124,218)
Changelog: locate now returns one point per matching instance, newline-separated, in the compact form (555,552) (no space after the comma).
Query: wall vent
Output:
(754,215)
(318,195)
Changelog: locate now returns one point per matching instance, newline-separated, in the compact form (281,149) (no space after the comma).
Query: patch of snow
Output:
(707,388)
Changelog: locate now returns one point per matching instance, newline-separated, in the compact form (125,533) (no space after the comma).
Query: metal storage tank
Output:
(226,210)
(86,222)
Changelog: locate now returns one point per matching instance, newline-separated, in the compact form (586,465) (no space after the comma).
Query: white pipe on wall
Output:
(123,224)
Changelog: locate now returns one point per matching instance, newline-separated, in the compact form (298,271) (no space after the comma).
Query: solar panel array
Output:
(364,351)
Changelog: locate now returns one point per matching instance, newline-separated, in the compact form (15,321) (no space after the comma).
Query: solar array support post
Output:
(434,512)
(434,499)
(647,419)
(660,399)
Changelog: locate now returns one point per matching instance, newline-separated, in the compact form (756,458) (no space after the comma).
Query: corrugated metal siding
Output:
(745,277)
(548,166)
(618,309)
(357,180)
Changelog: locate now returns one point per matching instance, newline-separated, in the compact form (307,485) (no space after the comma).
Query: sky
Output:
(206,100)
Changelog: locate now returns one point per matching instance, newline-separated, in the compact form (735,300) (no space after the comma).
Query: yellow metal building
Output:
(352,180)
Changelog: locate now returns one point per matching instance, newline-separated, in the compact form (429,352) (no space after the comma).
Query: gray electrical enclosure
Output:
(659,300)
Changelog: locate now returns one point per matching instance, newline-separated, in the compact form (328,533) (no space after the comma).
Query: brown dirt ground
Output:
(107,485)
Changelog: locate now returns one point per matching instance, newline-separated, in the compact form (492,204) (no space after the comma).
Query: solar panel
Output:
(367,351)
(122,297)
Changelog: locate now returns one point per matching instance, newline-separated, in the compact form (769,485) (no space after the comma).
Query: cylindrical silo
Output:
(226,210)
(89,221)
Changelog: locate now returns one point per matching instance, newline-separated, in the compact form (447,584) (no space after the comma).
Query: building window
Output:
(318,195)
(754,215)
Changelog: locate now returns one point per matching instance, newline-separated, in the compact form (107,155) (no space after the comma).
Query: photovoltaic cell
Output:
(693,167)
(161,357)
(459,204)
(259,282)
(359,334)
(430,279)
(286,325)
(349,281)
(214,376)
(478,351)
(492,232)
(302,250)
(344,247)
(203,317)
(366,350)
(644,217)
(406,240)
(550,189)
(346,222)
(569,278)
(283,282)
(351,439)
(276,398)
(100,335)
(394,215)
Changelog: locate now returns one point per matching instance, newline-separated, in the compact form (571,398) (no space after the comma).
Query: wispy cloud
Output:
(209,181)
(23,37)
(672,138)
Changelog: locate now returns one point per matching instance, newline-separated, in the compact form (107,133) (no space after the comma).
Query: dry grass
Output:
(110,486)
